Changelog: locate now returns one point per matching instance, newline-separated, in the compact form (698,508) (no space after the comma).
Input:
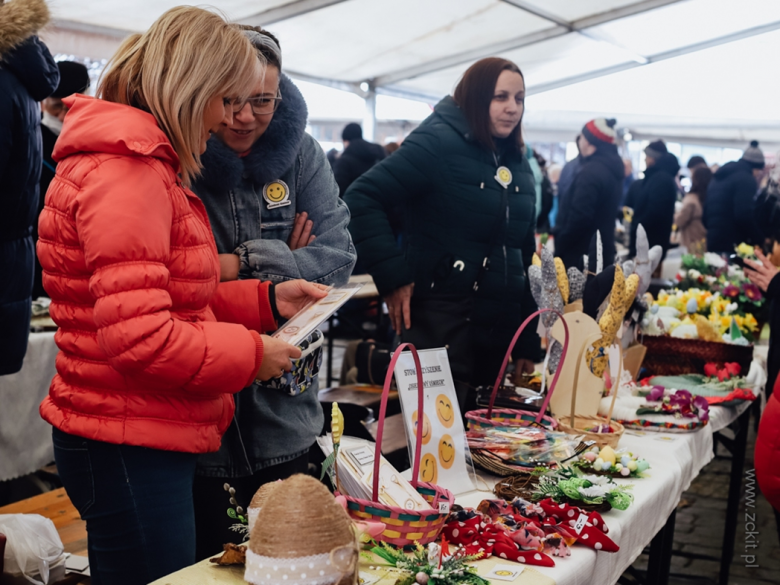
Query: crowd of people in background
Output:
(185,212)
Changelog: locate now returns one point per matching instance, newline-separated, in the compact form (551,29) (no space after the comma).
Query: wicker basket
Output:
(503,417)
(671,356)
(577,425)
(492,463)
(523,486)
(404,527)
(580,423)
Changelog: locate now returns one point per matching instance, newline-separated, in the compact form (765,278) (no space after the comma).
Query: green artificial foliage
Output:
(453,571)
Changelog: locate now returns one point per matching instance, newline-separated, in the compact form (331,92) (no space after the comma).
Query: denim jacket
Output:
(270,426)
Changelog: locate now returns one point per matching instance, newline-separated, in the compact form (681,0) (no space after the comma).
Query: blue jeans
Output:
(137,503)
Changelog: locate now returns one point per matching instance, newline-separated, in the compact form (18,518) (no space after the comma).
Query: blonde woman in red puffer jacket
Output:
(152,346)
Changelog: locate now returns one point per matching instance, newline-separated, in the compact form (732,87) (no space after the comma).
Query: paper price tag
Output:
(505,573)
(444,508)
(361,455)
(580,524)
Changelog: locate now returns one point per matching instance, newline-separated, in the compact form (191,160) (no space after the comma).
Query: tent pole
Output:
(369,118)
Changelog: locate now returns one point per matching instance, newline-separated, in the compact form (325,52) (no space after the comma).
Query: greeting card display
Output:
(444,447)
(308,319)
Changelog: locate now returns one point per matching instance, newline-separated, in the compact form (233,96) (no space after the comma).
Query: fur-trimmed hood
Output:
(19,20)
(271,156)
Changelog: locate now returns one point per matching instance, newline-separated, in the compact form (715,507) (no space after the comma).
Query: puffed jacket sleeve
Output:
(329,259)
(125,232)
(394,181)
(245,302)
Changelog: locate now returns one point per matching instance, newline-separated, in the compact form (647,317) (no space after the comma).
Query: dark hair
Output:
(270,56)
(700,180)
(474,93)
(696,161)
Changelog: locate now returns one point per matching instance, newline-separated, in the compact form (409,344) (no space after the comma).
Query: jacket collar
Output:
(451,113)
(270,157)
(95,125)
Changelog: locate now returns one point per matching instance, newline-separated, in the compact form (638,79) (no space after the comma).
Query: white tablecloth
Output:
(675,461)
(25,438)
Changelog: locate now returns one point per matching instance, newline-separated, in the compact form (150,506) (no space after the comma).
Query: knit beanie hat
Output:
(656,150)
(352,131)
(74,78)
(600,130)
(753,155)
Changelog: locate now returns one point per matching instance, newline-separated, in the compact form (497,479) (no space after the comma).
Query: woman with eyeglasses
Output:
(152,346)
(276,214)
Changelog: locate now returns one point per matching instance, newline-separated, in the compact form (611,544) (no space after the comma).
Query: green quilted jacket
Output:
(444,181)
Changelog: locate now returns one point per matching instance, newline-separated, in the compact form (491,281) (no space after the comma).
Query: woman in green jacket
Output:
(468,199)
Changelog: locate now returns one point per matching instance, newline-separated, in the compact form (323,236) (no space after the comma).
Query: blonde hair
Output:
(186,58)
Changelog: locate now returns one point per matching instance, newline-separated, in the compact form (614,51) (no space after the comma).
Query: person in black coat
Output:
(28,74)
(74,78)
(728,213)
(653,199)
(358,156)
(592,198)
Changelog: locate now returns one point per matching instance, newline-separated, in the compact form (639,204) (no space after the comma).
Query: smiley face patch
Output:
(276,194)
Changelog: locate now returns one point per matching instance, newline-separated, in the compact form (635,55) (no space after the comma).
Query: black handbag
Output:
(372,360)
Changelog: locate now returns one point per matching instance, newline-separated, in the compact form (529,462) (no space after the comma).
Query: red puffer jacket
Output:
(151,344)
(767,453)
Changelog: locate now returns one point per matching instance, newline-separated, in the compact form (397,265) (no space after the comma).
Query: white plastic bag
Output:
(32,546)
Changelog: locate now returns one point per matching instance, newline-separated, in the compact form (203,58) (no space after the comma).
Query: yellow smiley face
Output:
(428,469)
(502,573)
(444,410)
(426,427)
(275,192)
(504,175)
(446,452)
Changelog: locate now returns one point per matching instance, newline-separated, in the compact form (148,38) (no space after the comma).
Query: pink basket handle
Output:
(502,371)
(383,412)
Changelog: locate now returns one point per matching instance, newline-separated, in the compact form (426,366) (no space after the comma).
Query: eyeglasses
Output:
(260,105)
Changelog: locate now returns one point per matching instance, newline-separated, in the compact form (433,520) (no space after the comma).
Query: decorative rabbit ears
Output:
(647,259)
(548,274)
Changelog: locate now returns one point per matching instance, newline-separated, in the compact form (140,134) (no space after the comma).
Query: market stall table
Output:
(675,459)
(25,438)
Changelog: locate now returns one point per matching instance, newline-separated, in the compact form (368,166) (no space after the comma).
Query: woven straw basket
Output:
(576,425)
(505,417)
(404,527)
(671,356)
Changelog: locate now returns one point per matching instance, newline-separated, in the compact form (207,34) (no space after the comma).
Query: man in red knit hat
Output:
(592,198)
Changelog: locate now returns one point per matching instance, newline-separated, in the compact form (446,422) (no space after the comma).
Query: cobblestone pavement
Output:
(700,524)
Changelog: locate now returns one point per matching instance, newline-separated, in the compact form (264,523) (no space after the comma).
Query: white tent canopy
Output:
(689,70)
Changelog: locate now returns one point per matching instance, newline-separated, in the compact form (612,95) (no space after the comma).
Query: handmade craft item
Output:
(574,371)
(569,485)
(302,536)
(436,564)
(261,495)
(622,297)
(606,461)
(647,259)
(525,532)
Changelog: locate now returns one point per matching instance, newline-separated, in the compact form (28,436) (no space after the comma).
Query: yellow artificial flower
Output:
(336,423)
(745,249)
